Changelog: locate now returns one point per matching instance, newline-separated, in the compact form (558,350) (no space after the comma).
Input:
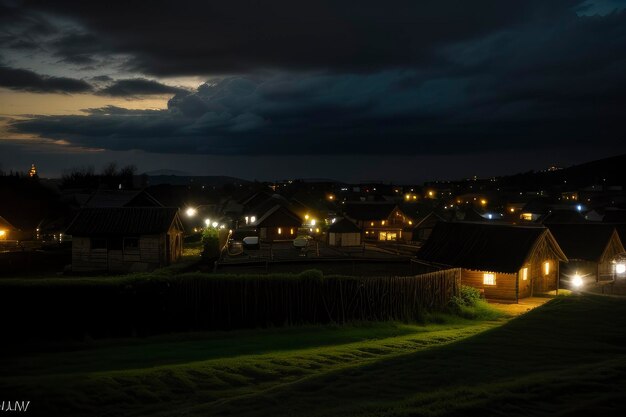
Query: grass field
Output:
(567,357)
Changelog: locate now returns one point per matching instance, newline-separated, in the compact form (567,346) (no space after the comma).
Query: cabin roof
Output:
(484,246)
(369,211)
(344,226)
(123,220)
(121,198)
(583,241)
(278,216)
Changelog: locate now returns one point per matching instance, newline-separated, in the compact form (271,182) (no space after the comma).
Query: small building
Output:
(590,249)
(120,239)
(378,221)
(344,233)
(507,262)
(278,223)
(424,227)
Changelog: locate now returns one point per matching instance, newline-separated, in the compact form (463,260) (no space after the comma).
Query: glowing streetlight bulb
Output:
(207,222)
(577,281)
(215,224)
(191,212)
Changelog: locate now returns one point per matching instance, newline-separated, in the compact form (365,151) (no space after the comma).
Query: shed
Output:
(125,238)
(344,233)
(590,249)
(505,261)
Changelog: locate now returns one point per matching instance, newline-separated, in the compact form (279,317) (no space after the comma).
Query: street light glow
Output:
(577,281)
(191,212)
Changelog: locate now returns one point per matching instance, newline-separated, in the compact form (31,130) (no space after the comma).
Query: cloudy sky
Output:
(353,90)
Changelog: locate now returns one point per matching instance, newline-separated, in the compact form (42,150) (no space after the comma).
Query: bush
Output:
(211,243)
(469,305)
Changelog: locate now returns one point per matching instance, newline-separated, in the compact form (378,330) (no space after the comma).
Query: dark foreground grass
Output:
(566,358)
(147,376)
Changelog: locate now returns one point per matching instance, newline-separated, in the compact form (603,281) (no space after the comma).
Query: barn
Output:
(119,239)
(507,262)
(344,233)
(590,249)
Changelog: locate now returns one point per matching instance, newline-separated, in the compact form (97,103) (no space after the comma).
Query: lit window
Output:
(524,274)
(527,216)
(383,222)
(280,231)
(489,279)
(620,268)
(372,224)
(291,231)
(546,268)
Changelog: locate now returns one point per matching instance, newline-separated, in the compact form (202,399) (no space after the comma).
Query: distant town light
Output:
(483,202)
(313,222)
(191,212)
(579,207)
(3,232)
(214,224)
(252,219)
(207,222)
(306,217)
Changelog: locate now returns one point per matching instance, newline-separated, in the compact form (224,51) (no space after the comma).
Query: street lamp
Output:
(191,212)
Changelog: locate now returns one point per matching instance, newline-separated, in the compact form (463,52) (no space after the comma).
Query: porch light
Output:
(619,268)
(2,233)
(207,222)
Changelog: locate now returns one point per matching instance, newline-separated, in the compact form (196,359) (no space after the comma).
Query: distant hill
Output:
(161,172)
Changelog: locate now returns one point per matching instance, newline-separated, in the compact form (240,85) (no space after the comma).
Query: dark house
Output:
(344,233)
(277,223)
(590,249)
(379,221)
(507,262)
(125,238)
(424,227)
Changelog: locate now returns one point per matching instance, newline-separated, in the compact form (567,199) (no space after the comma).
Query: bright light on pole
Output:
(207,222)
(191,212)
(577,281)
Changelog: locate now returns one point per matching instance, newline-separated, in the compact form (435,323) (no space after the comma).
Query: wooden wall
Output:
(150,254)
(505,288)
(344,239)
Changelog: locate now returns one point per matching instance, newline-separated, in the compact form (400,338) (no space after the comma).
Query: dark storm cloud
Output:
(25,80)
(190,37)
(339,78)
(138,87)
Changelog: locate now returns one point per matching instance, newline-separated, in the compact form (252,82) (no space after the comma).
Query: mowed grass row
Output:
(143,377)
(566,358)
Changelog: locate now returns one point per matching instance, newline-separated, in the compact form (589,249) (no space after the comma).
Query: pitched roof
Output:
(278,216)
(369,211)
(583,241)
(4,223)
(484,246)
(563,216)
(123,220)
(121,198)
(344,226)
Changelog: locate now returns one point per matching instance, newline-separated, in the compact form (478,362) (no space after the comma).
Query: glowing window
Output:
(524,274)
(372,224)
(291,231)
(546,268)
(280,231)
(489,279)
(383,222)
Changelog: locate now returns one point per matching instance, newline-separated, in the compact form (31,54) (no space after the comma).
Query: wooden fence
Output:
(198,302)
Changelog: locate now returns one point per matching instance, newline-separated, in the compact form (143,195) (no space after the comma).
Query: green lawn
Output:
(565,358)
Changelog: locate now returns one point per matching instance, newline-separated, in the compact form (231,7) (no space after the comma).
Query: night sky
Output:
(351,90)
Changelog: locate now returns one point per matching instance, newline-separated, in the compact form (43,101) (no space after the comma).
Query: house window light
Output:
(489,279)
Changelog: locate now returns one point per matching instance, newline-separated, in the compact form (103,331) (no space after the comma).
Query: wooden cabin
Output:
(506,262)
(278,223)
(590,249)
(120,239)
(378,221)
(344,233)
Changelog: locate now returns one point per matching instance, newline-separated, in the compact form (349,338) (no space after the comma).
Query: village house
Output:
(277,223)
(343,232)
(590,250)
(506,262)
(424,227)
(118,239)
(379,221)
